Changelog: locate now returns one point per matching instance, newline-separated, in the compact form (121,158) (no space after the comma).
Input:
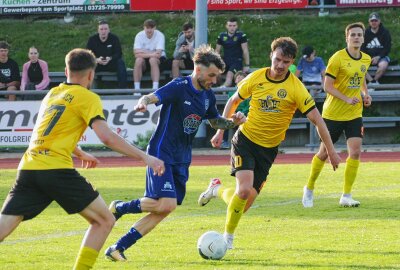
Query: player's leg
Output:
(101,222)
(176,65)
(354,134)
(335,129)
(24,201)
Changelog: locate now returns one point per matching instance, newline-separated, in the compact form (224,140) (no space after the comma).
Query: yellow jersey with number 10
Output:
(349,74)
(65,113)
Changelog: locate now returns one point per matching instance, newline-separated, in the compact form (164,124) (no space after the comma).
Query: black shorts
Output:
(351,129)
(234,65)
(34,190)
(247,155)
(162,64)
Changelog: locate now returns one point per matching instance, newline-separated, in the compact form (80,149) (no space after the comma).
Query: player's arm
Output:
(120,145)
(88,160)
(226,123)
(145,100)
(229,110)
(330,89)
(315,117)
(246,56)
(367,99)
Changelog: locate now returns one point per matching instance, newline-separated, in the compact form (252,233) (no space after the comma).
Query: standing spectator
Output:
(311,68)
(35,74)
(275,94)
(149,51)
(184,50)
(10,78)
(347,93)
(236,50)
(377,44)
(107,49)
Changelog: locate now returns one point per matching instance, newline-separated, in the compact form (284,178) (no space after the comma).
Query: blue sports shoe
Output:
(113,254)
(113,209)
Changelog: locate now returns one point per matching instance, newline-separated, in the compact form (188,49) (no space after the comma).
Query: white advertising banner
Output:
(18,118)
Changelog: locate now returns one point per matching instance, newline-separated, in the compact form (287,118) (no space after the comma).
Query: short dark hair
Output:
(287,45)
(354,25)
(239,73)
(101,22)
(149,23)
(79,60)
(4,45)
(233,19)
(186,26)
(206,56)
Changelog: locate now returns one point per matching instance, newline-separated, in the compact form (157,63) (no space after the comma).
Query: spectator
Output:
(149,51)
(234,43)
(35,74)
(184,50)
(10,79)
(243,107)
(107,49)
(377,44)
(311,68)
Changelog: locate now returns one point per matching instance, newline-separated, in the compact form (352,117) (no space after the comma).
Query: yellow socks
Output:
(86,258)
(350,173)
(234,213)
(316,167)
(226,194)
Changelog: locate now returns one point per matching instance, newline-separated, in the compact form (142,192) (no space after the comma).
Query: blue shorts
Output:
(172,184)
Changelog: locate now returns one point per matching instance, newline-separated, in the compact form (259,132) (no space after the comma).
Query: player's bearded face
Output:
(208,76)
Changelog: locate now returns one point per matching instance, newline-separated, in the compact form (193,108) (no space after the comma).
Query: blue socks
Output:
(132,207)
(128,239)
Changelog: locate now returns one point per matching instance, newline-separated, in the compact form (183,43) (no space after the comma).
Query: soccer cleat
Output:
(229,240)
(308,197)
(115,255)
(114,210)
(347,201)
(210,193)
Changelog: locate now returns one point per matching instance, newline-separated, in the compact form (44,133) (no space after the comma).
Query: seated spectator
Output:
(107,49)
(149,51)
(184,50)
(243,107)
(236,50)
(35,74)
(377,44)
(10,78)
(311,69)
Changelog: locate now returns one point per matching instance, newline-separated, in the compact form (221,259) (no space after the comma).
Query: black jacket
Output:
(377,44)
(111,47)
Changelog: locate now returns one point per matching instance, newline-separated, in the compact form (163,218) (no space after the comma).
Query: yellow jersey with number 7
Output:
(65,113)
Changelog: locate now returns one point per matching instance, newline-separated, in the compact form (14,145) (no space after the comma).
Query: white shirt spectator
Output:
(156,42)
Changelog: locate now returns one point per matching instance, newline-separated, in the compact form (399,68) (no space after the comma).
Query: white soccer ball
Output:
(212,245)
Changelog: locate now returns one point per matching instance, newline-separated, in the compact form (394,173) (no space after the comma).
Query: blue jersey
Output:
(232,46)
(183,109)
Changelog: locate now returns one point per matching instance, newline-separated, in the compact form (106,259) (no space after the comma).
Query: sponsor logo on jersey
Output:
(191,123)
(354,81)
(269,104)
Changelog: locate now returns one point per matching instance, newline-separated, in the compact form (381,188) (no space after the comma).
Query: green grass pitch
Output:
(277,233)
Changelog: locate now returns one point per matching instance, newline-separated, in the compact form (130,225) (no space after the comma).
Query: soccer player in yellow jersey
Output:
(275,94)
(347,91)
(46,172)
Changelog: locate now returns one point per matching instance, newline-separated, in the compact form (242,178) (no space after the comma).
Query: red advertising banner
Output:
(368,3)
(170,5)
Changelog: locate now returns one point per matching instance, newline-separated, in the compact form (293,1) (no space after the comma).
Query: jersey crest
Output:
(191,123)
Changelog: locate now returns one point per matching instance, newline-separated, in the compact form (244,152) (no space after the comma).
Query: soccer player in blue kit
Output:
(185,101)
